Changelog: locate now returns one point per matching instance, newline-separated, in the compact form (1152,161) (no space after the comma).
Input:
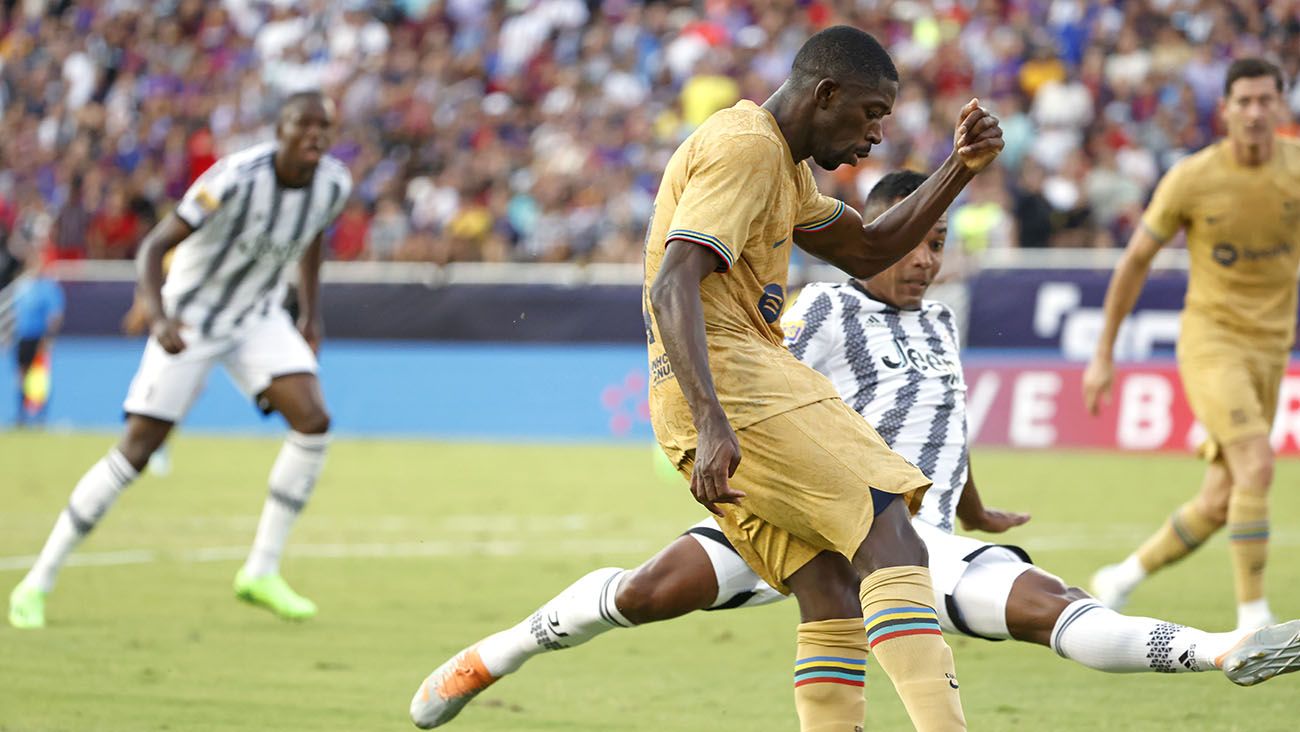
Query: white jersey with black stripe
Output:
(898,368)
(247,230)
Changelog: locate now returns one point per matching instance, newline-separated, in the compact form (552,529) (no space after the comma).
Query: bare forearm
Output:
(309,282)
(971,506)
(680,316)
(149,262)
(1121,296)
(897,231)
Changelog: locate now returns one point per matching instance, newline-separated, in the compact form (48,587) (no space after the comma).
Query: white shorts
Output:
(972,579)
(166,385)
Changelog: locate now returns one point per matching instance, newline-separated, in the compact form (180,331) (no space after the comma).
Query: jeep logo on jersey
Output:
(1225,254)
(771,303)
(263,244)
(906,356)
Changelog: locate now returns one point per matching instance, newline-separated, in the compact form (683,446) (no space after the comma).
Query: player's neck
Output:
(291,176)
(1252,155)
(784,108)
(875,291)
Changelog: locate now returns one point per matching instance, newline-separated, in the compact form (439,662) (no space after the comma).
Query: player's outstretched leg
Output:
(676,581)
(293,477)
(1181,534)
(95,493)
(901,622)
(1042,609)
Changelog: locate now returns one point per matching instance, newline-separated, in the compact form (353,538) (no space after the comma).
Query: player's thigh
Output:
(972,581)
(273,365)
(165,385)
(1224,393)
(810,472)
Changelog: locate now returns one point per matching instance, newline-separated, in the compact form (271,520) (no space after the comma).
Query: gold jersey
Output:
(734,187)
(1243,242)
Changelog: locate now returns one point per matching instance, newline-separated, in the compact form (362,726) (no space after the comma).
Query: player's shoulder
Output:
(1289,150)
(743,130)
(936,309)
(1209,160)
(335,171)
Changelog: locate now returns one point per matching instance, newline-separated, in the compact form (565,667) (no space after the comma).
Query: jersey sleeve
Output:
(726,190)
(1166,213)
(809,327)
(816,212)
(207,195)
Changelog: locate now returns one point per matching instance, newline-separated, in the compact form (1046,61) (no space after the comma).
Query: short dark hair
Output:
(301,97)
(1252,67)
(894,187)
(843,53)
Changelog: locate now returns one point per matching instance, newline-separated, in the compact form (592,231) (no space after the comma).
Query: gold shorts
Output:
(806,476)
(1233,393)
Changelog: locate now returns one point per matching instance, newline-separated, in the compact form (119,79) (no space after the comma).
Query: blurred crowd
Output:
(536,130)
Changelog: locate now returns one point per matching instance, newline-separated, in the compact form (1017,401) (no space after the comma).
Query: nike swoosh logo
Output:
(774,246)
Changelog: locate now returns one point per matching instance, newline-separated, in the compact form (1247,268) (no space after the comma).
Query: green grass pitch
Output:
(413,549)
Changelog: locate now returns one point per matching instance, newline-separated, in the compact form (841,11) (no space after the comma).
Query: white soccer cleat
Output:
(1109,587)
(449,688)
(1263,654)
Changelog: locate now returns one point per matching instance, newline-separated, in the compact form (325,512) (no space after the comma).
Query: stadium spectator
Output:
(537,129)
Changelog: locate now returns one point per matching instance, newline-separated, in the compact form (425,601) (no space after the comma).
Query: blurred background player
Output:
(38,312)
(717,259)
(238,227)
(878,340)
(1239,202)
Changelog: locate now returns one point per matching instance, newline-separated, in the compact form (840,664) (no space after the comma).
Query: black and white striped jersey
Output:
(898,368)
(247,230)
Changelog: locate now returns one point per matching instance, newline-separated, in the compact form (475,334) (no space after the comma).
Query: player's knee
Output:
(647,596)
(1214,507)
(1036,603)
(1258,476)
(315,422)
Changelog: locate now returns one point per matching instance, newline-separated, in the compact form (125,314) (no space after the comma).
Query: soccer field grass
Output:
(415,549)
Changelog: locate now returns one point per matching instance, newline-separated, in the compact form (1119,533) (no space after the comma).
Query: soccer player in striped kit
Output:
(239,227)
(893,356)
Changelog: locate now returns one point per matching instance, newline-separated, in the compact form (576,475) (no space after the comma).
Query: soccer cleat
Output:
(1109,589)
(449,688)
(273,593)
(1266,653)
(27,607)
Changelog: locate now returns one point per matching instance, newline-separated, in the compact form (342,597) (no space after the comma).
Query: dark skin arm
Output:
(675,300)
(148,262)
(310,323)
(974,516)
(867,250)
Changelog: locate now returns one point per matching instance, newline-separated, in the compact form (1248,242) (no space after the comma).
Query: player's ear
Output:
(824,93)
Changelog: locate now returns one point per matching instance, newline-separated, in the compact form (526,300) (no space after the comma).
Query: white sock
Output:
(292,479)
(581,612)
(90,500)
(1130,572)
(1254,614)
(1091,634)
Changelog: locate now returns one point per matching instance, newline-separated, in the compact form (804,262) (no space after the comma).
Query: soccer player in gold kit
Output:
(820,505)
(1238,201)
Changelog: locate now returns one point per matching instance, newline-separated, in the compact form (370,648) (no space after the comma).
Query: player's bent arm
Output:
(1125,286)
(309,315)
(867,250)
(169,232)
(679,314)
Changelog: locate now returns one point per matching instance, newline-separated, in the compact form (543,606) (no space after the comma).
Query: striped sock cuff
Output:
(121,469)
(830,670)
(609,611)
(310,443)
(897,622)
(1068,616)
(1248,531)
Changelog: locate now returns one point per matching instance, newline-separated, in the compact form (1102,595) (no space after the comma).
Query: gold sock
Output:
(1182,533)
(904,636)
(1248,540)
(830,669)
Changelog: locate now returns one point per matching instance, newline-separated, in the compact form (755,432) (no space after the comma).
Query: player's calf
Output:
(902,625)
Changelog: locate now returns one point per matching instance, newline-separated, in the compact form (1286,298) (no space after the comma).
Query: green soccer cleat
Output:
(273,593)
(27,607)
